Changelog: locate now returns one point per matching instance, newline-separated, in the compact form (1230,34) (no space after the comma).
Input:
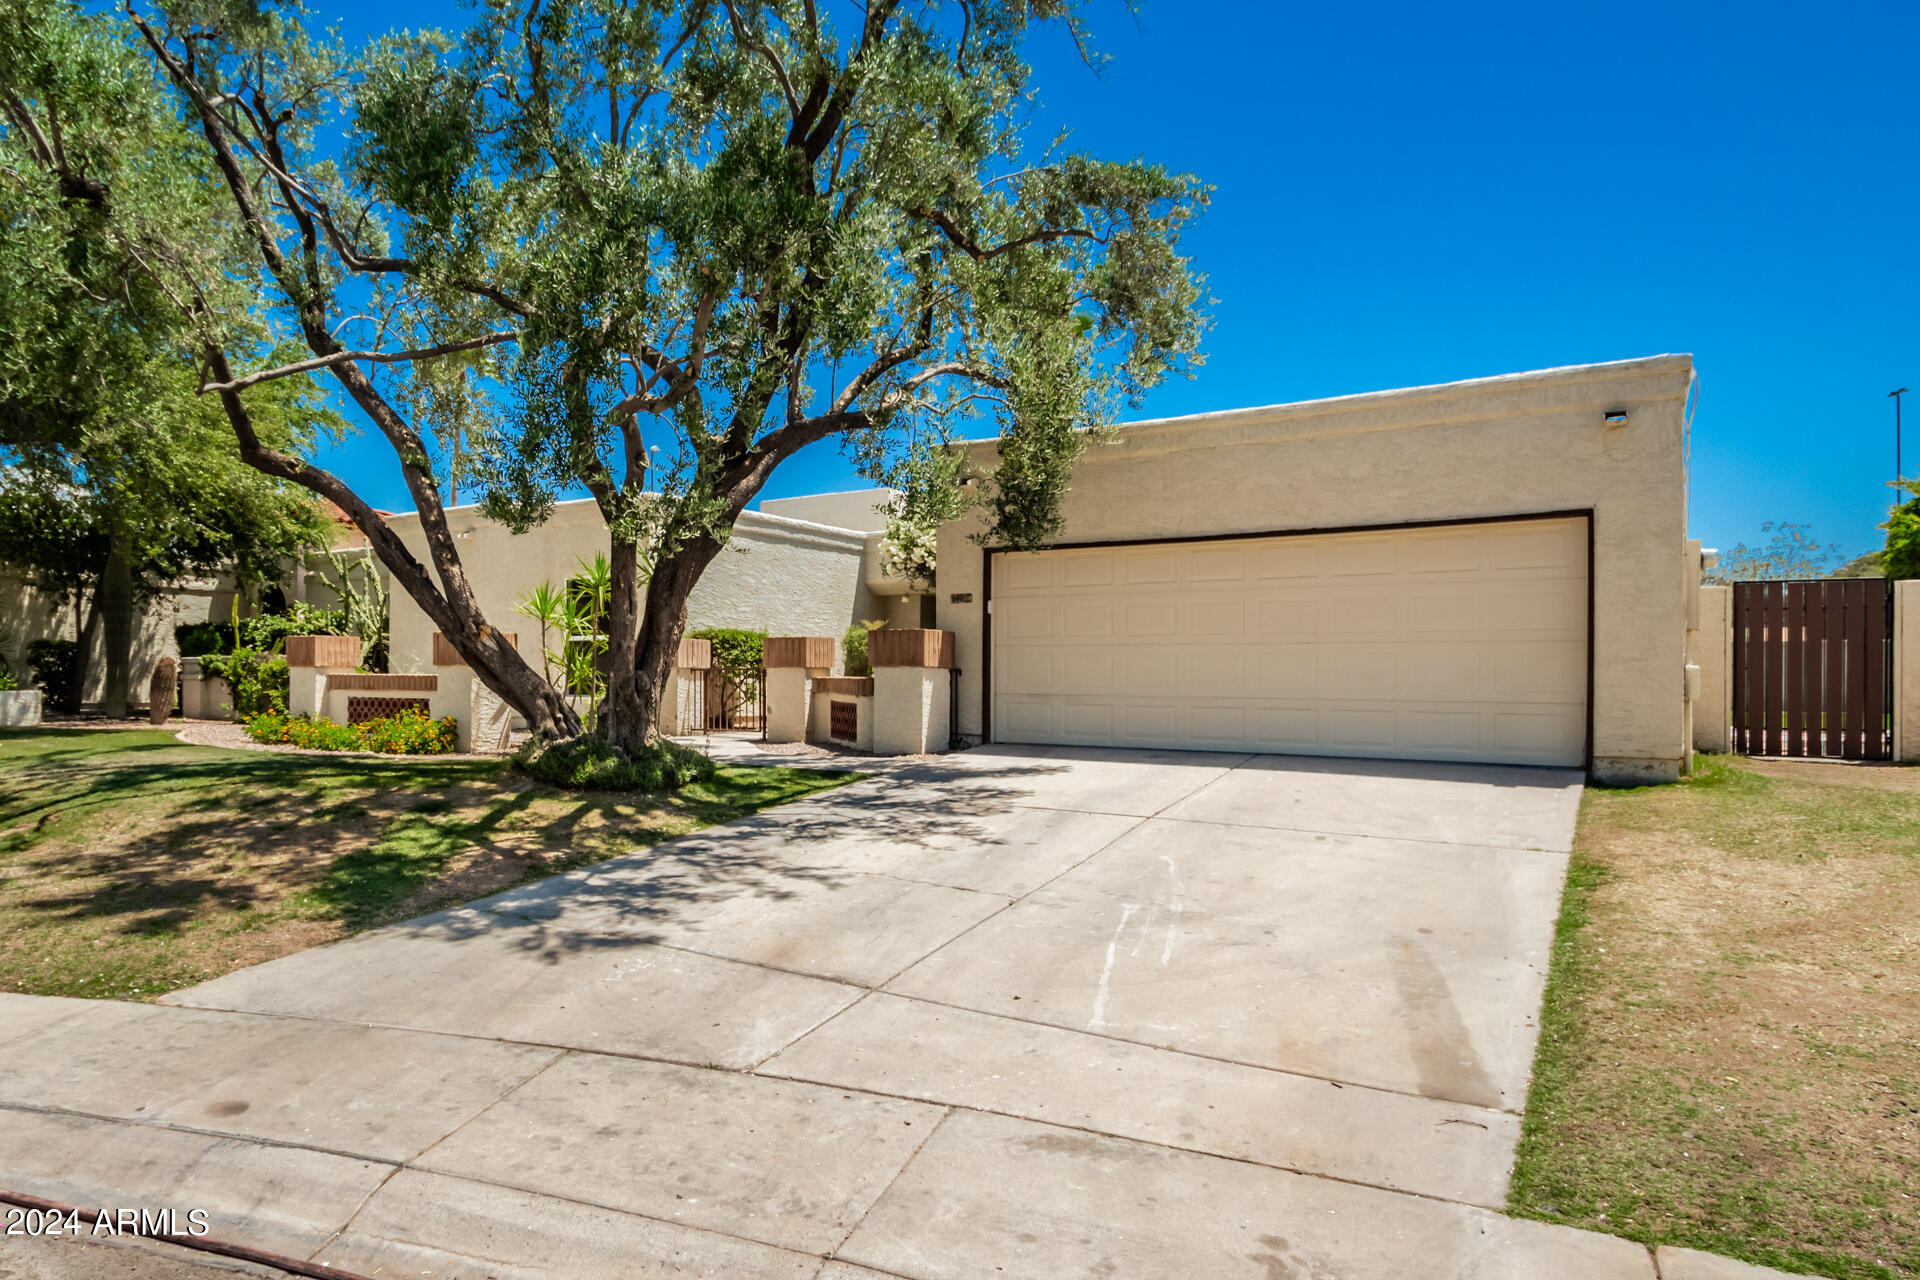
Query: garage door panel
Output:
(1026,619)
(1216,618)
(1283,728)
(1467,643)
(1286,616)
(1088,722)
(1443,553)
(1081,621)
(1153,671)
(1299,558)
(1364,729)
(1364,615)
(1518,672)
(1089,569)
(1217,725)
(1217,564)
(1026,571)
(1211,672)
(1562,545)
(1447,732)
(1145,568)
(1149,618)
(1520,735)
(1532,607)
(1027,672)
(1359,555)
(1442,671)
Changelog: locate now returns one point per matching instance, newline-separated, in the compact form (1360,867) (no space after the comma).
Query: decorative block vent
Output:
(323,651)
(445,655)
(815,652)
(694,655)
(859,686)
(910,647)
(361,710)
(843,720)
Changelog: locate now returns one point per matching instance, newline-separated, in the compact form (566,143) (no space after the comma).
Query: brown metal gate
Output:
(1813,668)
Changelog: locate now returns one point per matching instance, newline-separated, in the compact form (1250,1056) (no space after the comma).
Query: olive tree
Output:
(675,242)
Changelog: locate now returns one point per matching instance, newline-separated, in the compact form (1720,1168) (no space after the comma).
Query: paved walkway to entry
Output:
(1018,1012)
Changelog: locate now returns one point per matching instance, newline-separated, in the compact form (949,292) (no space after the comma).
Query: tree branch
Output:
(961,240)
(357,357)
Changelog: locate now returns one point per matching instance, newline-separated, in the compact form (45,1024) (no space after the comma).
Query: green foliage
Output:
(1902,556)
(56,672)
(853,647)
(364,606)
(657,249)
(269,631)
(259,679)
(197,638)
(7,682)
(574,618)
(409,733)
(1790,554)
(738,652)
(590,764)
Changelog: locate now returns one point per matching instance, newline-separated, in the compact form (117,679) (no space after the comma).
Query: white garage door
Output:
(1460,642)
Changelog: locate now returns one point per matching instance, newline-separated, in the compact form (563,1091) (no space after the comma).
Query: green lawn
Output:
(132,864)
(1730,1045)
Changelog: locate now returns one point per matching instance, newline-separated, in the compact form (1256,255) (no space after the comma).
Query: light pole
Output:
(1898,475)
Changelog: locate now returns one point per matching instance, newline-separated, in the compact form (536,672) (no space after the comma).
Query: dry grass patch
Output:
(131,864)
(1730,1049)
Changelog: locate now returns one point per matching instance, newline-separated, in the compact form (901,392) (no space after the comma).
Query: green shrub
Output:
(410,733)
(740,655)
(259,680)
(590,764)
(270,630)
(56,670)
(738,652)
(197,638)
(7,682)
(853,646)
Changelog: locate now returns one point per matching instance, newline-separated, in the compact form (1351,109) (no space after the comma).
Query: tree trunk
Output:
(83,635)
(116,611)
(644,651)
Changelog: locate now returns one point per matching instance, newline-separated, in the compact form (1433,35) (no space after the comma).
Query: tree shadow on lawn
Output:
(258,838)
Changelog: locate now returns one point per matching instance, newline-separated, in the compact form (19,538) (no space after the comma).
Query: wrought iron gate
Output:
(1813,668)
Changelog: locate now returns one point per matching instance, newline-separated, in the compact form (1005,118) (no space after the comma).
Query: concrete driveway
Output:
(1015,1012)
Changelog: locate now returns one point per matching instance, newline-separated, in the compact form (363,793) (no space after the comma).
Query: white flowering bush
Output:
(910,550)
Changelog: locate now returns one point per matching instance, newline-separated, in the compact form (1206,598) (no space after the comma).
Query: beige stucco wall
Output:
(910,710)
(29,615)
(1711,650)
(820,722)
(850,509)
(1514,445)
(1906,670)
(782,576)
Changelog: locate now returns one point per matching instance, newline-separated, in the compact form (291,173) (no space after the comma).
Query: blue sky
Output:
(1411,193)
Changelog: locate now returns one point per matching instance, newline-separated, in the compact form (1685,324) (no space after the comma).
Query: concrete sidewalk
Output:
(1007,1013)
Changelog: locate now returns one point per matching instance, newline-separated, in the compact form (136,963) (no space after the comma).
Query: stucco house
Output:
(1494,570)
(796,566)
